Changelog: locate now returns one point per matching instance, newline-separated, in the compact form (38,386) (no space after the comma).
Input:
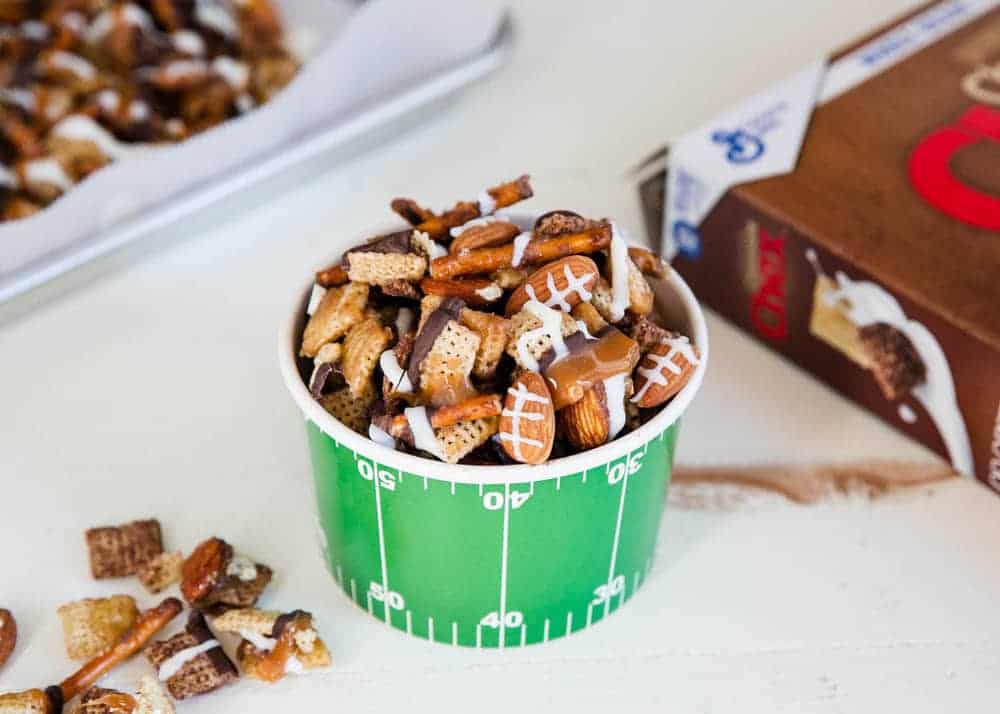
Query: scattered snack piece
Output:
(214,575)
(161,572)
(553,320)
(8,635)
(275,644)
(33,701)
(97,700)
(92,626)
(149,623)
(152,698)
(118,551)
(192,662)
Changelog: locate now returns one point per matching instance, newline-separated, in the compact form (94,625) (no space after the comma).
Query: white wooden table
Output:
(148,385)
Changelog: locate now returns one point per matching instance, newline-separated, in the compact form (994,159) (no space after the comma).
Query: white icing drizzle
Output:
(381,436)
(108,100)
(172,665)
(614,392)
(264,644)
(583,328)
(431,248)
(424,437)
(72,63)
(242,568)
(490,293)
(315,298)
(294,666)
(82,128)
(551,326)
(47,171)
(619,274)
(138,110)
(35,30)
(520,243)
(245,103)
(475,223)
(487,204)
(129,13)
(188,42)
(235,73)
(182,68)
(394,373)
(404,320)
(74,21)
(7,177)
(557,297)
(23,98)
(214,16)
(522,395)
(907,414)
(680,345)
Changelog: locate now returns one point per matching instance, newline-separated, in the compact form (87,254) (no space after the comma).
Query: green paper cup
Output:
(486,556)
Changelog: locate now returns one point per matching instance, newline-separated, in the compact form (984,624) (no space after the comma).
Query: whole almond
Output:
(586,423)
(8,635)
(664,371)
(562,284)
(527,423)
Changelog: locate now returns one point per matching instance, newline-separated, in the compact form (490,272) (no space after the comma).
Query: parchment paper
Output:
(358,54)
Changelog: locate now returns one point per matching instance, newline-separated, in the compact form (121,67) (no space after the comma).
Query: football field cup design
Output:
(483,556)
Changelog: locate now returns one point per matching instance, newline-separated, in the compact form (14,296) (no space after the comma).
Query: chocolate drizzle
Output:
(283,621)
(55,696)
(398,242)
(448,310)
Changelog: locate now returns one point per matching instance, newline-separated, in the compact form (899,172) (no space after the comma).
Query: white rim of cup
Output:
(476,474)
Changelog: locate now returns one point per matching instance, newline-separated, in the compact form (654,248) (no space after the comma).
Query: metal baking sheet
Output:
(272,172)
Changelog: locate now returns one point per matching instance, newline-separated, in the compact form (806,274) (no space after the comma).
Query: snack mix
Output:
(86,82)
(468,339)
(221,587)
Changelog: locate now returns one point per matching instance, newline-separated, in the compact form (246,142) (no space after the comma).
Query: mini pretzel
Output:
(149,623)
(486,260)
(479,407)
(333,276)
(502,196)
(478,292)
(411,211)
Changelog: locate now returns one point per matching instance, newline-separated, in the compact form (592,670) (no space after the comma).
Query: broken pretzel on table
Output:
(468,338)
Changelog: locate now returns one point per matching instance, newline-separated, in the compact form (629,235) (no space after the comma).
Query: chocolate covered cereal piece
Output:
(192,662)
(274,644)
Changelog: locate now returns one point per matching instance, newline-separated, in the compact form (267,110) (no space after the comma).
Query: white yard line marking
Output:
(569,622)
(381,550)
(430,628)
(409,623)
(480,490)
(558,483)
(590,612)
(340,576)
(524,635)
(545,631)
(618,531)
(479,636)
(531,488)
(454,633)
(369,599)
(425,483)
(621,596)
(400,472)
(452,488)
(635,581)
(503,563)
(585,475)
(354,591)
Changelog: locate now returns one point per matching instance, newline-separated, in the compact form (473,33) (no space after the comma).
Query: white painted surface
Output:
(108,415)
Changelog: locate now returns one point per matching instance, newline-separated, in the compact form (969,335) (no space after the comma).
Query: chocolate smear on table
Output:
(448,310)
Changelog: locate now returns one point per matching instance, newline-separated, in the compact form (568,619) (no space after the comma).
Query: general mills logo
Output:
(743,147)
